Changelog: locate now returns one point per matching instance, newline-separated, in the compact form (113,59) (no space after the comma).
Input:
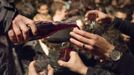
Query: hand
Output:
(19,31)
(75,64)
(32,71)
(101,17)
(90,41)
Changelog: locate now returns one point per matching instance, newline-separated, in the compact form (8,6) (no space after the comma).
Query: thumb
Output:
(50,70)
(31,69)
(63,63)
(99,20)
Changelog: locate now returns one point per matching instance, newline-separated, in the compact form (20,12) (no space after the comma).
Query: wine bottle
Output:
(45,29)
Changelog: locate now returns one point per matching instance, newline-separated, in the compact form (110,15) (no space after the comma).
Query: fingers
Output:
(81,37)
(84,33)
(73,56)
(12,35)
(50,70)
(31,69)
(17,31)
(20,29)
(66,64)
(32,25)
(25,30)
(63,63)
(80,44)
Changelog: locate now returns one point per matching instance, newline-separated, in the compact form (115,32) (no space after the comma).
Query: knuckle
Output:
(30,22)
(85,33)
(73,53)
(10,33)
(92,42)
(90,47)
(13,21)
(82,33)
(18,33)
(80,44)
(80,38)
(96,37)
(25,30)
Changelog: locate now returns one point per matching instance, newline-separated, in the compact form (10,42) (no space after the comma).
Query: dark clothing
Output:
(7,13)
(127,28)
(124,26)
(125,65)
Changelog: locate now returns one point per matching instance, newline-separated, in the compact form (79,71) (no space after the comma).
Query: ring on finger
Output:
(83,46)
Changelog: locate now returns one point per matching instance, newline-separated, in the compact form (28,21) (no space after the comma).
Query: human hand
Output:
(75,64)
(19,32)
(32,71)
(100,16)
(91,41)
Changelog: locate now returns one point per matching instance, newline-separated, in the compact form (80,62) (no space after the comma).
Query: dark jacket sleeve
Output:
(125,27)
(98,71)
(7,13)
(125,66)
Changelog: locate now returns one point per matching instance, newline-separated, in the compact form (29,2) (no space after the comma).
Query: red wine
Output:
(45,29)
(65,54)
(92,16)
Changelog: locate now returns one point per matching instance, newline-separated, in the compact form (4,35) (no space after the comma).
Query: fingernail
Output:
(70,39)
(60,62)
(71,33)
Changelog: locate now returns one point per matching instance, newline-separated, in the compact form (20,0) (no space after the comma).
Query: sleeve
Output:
(7,13)
(125,27)
(98,71)
(124,66)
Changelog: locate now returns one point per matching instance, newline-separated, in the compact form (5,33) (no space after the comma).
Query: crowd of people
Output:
(102,44)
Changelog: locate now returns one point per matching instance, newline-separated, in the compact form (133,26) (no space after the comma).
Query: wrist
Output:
(109,51)
(83,70)
(114,54)
(112,18)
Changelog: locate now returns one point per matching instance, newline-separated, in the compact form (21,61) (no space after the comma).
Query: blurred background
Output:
(120,8)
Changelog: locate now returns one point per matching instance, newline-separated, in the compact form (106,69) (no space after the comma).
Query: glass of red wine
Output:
(92,16)
(91,21)
(65,54)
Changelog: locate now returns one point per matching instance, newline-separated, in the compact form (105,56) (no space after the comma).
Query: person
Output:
(59,11)
(123,65)
(25,7)
(90,42)
(13,28)
(43,13)
(124,27)
(75,64)
(32,70)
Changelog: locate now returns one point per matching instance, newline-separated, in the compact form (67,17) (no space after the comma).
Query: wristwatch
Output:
(115,55)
